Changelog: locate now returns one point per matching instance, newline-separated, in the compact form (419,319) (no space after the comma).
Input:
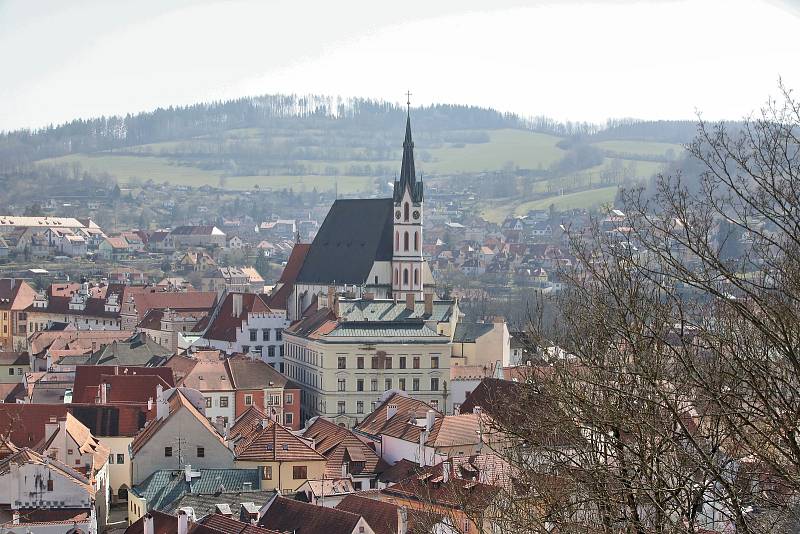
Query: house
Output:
(234,242)
(220,279)
(196,261)
(348,353)
(13,365)
(208,373)
(180,434)
(84,307)
(46,346)
(181,523)
(197,236)
(254,279)
(138,301)
(347,456)
(16,296)
(172,329)
(160,490)
(113,248)
(137,350)
(244,323)
(286,515)
(386,517)
(481,343)
(284,460)
(66,242)
(258,384)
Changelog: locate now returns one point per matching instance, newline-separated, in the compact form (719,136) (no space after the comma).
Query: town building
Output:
(16,296)
(197,236)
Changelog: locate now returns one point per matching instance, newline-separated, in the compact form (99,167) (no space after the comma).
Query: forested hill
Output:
(362,121)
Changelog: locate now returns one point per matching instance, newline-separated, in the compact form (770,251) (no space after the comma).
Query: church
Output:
(365,247)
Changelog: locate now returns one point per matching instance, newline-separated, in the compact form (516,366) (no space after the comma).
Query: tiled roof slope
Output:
(275,443)
(232,526)
(249,373)
(89,377)
(382,516)
(206,503)
(280,298)
(225,324)
(339,445)
(355,234)
(376,423)
(389,310)
(286,515)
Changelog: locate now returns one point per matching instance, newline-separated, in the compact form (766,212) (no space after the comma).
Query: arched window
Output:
(396,276)
(405,241)
(416,277)
(405,276)
(405,211)
(397,240)
(416,240)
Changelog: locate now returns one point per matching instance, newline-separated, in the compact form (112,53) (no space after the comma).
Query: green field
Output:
(583,199)
(644,148)
(524,149)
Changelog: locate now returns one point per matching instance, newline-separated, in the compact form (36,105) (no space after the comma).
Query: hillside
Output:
(305,143)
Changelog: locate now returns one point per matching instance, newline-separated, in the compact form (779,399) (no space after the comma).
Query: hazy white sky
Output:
(568,59)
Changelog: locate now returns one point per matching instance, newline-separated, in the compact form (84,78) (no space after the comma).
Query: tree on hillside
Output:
(668,399)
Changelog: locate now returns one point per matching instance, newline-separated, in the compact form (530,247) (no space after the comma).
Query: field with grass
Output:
(644,148)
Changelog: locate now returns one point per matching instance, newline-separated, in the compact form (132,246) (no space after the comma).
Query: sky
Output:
(567,59)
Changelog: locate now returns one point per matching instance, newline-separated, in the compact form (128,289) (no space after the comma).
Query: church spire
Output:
(408,178)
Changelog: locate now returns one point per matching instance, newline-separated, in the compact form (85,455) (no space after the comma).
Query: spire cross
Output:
(408,101)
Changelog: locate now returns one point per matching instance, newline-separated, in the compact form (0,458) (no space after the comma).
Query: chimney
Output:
(187,472)
(149,526)
(428,304)
(369,295)
(149,404)
(104,393)
(445,472)
(391,411)
(410,302)
(162,407)
(402,520)
(183,522)
(430,419)
(331,294)
(336,306)
(237,304)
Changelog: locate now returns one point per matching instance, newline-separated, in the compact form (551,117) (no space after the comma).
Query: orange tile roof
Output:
(275,443)
(340,445)
(400,425)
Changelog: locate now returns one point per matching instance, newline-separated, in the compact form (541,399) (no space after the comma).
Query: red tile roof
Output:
(136,385)
(339,445)
(400,425)
(280,298)
(225,324)
(232,526)
(249,373)
(24,424)
(210,373)
(383,517)
(275,443)
(175,300)
(287,515)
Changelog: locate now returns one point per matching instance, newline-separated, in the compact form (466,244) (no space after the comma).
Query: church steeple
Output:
(408,178)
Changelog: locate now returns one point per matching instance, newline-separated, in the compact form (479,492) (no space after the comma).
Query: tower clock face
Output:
(397,215)
(416,214)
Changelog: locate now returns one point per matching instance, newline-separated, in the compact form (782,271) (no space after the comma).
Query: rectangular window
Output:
(360,362)
(49,484)
(360,384)
(435,404)
(120,458)
(342,362)
(209,402)
(288,398)
(402,383)
(201,452)
(11,370)
(434,384)
(253,335)
(373,384)
(271,351)
(359,406)
(258,349)
(402,362)
(375,362)
(342,384)
(168,452)
(387,384)
(387,362)
(288,418)
(415,362)
(245,348)
(281,351)
(248,400)
(266,472)
(340,407)
(278,334)
(434,362)
(299,472)
(111,458)
(415,384)
(223,402)
(265,334)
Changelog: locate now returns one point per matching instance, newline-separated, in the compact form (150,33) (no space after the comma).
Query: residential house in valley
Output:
(16,296)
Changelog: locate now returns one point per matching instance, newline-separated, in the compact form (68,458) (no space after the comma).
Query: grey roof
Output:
(408,177)
(469,332)
(138,350)
(355,234)
(204,504)
(408,330)
(389,310)
(166,486)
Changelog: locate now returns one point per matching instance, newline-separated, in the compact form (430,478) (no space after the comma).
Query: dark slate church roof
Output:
(355,234)
(408,175)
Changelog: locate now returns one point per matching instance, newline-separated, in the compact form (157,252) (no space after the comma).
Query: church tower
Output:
(407,262)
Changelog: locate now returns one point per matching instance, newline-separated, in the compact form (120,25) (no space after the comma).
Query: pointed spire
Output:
(408,178)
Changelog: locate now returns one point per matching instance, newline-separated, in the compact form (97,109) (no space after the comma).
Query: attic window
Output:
(269,446)
(286,446)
